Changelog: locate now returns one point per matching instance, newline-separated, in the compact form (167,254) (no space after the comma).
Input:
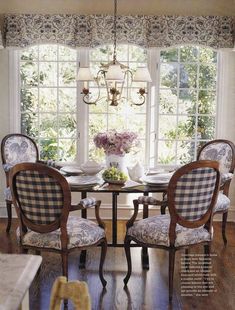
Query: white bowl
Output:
(91,170)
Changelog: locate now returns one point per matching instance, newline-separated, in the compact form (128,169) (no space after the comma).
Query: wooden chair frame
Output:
(61,222)
(175,219)
(224,187)
(9,202)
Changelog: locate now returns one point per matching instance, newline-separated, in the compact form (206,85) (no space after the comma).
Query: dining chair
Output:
(192,193)
(222,151)
(42,199)
(16,148)
(75,291)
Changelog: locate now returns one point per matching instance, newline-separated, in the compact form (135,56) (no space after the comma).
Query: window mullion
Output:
(82,113)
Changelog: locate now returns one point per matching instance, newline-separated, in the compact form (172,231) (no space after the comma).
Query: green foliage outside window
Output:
(186,105)
(187,101)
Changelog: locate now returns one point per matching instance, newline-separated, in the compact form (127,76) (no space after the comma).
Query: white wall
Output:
(158,7)
(4,112)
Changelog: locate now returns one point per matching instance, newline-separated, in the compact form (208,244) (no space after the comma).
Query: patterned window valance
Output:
(92,30)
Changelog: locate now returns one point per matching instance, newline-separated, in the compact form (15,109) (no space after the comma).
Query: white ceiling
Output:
(157,7)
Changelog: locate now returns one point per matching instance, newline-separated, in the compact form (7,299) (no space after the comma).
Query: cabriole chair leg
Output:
(102,258)
(9,216)
(64,257)
(224,222)
(127,242)
(171,272)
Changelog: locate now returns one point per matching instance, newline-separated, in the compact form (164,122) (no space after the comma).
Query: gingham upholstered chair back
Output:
(192,193)
(220,150)
(17,148)
(41,195)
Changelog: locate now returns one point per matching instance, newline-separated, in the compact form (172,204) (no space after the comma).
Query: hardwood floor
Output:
(146,289)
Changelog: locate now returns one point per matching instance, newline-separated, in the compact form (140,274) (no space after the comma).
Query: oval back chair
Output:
(16,148)
(222,151)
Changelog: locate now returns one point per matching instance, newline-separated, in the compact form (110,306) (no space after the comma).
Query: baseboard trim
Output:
(124,212)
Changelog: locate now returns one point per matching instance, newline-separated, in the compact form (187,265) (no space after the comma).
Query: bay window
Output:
(179,115)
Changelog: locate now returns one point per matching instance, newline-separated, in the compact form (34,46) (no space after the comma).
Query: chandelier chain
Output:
(115,32)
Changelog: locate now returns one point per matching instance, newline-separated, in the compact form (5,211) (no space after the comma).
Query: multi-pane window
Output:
(49,99)
(187,102)
(180,118)
(125,116)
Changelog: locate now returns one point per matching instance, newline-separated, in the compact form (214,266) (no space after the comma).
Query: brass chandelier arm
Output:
(141,96)
(85,92)
(113,76)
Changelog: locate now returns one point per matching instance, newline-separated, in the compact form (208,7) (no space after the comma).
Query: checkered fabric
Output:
(194,192)
(147,200)
(41,198)
(88,202)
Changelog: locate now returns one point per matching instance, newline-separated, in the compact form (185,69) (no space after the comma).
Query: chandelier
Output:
(114,76)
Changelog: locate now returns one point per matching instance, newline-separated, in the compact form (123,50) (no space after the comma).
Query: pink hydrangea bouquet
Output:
(117,143)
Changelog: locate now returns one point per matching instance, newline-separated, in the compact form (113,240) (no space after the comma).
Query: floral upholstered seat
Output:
(154,230)
(81,233)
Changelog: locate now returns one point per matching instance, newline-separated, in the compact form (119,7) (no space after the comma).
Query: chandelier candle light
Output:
(113,75)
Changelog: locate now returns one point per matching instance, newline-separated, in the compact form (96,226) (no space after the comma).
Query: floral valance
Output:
(92,30)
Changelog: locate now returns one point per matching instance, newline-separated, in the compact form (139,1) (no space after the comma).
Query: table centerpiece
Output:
(116,145)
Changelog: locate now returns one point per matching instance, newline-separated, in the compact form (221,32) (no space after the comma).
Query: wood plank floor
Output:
(146,289)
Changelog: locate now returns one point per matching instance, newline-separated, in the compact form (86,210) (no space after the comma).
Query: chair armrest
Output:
(89,203)
(7,167)
(84,204)
(224,177)
(148,200)
(75,207)
(133,218)
(97,214)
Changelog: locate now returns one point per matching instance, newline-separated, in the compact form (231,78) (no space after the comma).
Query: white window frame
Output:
(152,103)
(156,56)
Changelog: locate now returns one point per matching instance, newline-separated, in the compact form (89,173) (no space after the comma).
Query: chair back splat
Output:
(192,194)
(42,196)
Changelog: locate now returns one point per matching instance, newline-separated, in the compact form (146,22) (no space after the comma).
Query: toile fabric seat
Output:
(42,199)
(154,230)
(222,151)
(192,194)
(82,232)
